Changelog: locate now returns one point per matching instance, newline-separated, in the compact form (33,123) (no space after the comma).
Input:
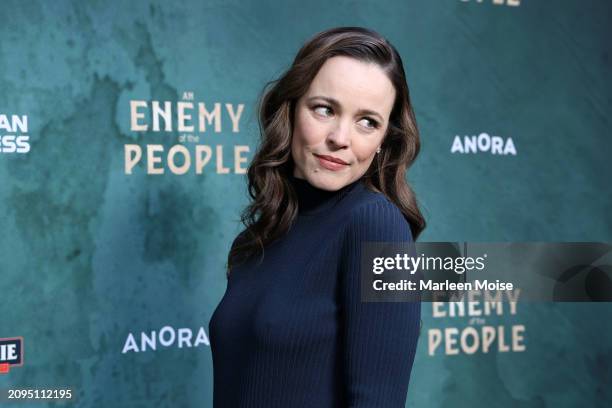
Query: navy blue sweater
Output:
(292,331)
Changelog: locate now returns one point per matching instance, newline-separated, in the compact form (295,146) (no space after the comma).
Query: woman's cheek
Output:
(312,132)
(362,152)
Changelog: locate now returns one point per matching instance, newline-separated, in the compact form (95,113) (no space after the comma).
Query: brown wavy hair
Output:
(274,204)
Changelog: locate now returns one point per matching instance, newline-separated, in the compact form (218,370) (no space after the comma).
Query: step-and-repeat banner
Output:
(126,130)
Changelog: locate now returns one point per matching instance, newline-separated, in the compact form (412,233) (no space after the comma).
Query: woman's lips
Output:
(329,164)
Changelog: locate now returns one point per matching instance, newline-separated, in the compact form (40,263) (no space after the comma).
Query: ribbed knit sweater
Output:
(292,330)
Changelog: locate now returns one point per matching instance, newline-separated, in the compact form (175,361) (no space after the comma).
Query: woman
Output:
(338,133)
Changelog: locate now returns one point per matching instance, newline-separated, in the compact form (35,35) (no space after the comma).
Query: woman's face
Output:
(344,115)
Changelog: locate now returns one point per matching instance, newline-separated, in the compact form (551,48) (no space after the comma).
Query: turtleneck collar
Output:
(312,200)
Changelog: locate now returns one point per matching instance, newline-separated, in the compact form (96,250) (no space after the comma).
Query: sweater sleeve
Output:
(379,338)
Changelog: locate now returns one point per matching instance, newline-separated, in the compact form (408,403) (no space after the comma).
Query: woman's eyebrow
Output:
(335,103)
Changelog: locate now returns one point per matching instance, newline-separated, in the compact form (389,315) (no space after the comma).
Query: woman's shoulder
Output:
(373,215)
(364,196)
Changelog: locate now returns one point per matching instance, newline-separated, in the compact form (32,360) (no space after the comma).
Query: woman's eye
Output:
(327,111)
(322,110)
(371,123)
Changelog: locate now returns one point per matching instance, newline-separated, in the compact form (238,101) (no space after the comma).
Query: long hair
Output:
(274,204)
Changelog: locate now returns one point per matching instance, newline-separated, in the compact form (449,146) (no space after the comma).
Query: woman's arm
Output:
(379,338)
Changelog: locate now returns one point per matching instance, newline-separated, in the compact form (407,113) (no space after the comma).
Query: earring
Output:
(378,150)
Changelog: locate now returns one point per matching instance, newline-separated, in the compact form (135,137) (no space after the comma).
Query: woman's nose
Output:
(340,136)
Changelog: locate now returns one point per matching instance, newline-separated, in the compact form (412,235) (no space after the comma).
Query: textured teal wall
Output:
(90,254)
